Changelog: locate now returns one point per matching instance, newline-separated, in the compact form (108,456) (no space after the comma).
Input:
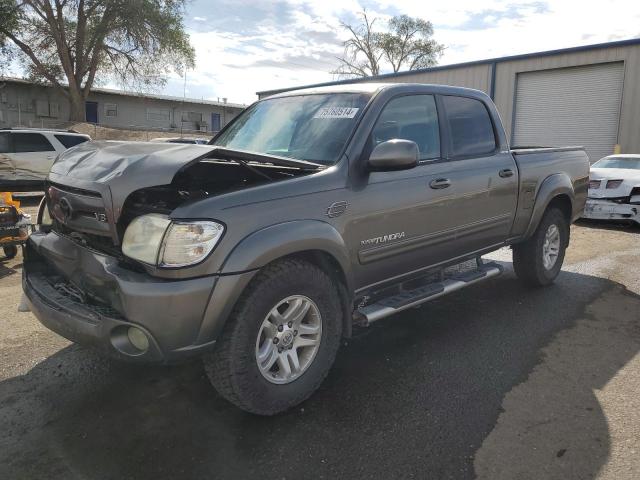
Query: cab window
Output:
(470,127)
(411,117)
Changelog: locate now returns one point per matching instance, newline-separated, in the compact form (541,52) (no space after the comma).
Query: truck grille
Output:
(81,215)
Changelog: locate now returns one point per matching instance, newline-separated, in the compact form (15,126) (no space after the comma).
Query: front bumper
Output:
(608,210)
(89,298)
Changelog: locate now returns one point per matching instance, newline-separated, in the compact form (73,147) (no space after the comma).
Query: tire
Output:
(10,251)
(233,368)
(529,257)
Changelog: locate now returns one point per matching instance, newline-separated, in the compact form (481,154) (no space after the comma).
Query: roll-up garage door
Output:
(570,106)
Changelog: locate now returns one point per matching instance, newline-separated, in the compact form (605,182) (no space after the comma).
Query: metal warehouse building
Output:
(586,96)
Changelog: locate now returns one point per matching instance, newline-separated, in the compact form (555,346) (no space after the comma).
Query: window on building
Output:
(69,141)
(110,110)
(42,108)
(4,142)
(470,126)
(191,117)
(54,110)
(31,142)
(159,115)
(413,117)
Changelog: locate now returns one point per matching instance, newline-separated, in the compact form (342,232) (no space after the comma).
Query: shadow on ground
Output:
(413,396)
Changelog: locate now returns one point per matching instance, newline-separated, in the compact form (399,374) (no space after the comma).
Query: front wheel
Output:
(537,262)
(281,340)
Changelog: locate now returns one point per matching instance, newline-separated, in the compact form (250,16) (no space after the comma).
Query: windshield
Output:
(618,162)
(306,127)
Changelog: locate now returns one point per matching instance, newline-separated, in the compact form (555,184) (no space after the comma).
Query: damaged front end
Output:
(96,191)
(102,268)
(617,203)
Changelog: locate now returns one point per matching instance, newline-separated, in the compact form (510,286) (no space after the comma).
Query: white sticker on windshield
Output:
(336,112)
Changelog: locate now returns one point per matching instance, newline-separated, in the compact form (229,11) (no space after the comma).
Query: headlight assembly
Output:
(189,243)
(156,240)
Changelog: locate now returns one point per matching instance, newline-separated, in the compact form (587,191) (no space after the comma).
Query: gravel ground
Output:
(495,381)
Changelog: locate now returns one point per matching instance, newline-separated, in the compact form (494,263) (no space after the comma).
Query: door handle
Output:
(506,173)
(440,183)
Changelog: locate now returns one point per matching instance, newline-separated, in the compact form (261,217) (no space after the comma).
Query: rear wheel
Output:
(537,262)
(281,340)
(10,251)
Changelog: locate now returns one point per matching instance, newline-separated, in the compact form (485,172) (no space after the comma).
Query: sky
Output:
(245,46)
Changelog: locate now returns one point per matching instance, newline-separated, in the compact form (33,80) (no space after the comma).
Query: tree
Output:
(407,43)
(8,19)
(72,42)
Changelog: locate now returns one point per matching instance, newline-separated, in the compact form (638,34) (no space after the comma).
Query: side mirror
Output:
(394,154)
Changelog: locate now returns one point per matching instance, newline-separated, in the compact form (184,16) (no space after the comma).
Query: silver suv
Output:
(27,154)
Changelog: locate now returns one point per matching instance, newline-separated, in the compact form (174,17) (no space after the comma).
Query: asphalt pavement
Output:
(494,381)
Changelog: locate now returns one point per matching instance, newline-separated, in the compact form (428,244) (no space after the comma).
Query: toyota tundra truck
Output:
(313,212)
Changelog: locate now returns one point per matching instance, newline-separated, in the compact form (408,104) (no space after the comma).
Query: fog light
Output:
(138,338)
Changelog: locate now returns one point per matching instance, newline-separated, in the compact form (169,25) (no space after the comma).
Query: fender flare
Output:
(288,238)
(550,188)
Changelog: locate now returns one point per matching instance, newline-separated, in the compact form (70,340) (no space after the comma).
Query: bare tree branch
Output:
(406,43)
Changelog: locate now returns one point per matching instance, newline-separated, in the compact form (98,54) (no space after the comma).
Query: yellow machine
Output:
(15,225)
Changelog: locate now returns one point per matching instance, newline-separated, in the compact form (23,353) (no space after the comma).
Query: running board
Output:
(412,298)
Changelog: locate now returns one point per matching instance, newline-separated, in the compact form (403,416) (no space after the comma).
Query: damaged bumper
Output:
(89,298)
(608,210)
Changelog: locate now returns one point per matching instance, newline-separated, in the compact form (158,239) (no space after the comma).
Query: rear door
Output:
(483,178)
(32,153)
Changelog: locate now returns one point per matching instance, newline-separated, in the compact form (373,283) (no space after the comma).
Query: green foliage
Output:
(135,42)
(8,21)
(406,43)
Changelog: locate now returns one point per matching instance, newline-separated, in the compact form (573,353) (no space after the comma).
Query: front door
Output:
(215,122)
(91,112)
(398,222)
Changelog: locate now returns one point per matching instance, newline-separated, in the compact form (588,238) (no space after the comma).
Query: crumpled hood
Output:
(630,177)
(116,169)
(109,161)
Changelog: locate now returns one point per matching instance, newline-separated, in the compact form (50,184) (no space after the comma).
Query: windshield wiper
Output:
(246,156)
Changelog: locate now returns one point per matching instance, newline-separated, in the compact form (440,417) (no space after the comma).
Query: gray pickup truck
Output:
(312,212)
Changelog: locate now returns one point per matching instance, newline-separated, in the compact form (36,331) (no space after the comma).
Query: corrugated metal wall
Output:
(628,137)
(475,76)
(478,76)
(570,106)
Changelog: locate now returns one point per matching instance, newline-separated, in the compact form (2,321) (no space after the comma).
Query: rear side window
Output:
(413,117)
(470,127)
(4,142)
(31,142)
(69,141)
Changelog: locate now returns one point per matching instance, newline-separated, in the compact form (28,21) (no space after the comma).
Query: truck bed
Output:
(536,165)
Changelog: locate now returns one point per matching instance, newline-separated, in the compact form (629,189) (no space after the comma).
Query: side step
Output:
(412,298)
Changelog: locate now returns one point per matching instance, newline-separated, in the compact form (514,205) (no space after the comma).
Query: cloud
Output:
(243,46)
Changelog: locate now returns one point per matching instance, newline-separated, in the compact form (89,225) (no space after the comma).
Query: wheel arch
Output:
(316,242)
(555,191)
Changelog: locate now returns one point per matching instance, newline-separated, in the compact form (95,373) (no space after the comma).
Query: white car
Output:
(27,154)
(614,189)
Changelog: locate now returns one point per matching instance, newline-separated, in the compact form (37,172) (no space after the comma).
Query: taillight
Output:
(614,183)
(594,184)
